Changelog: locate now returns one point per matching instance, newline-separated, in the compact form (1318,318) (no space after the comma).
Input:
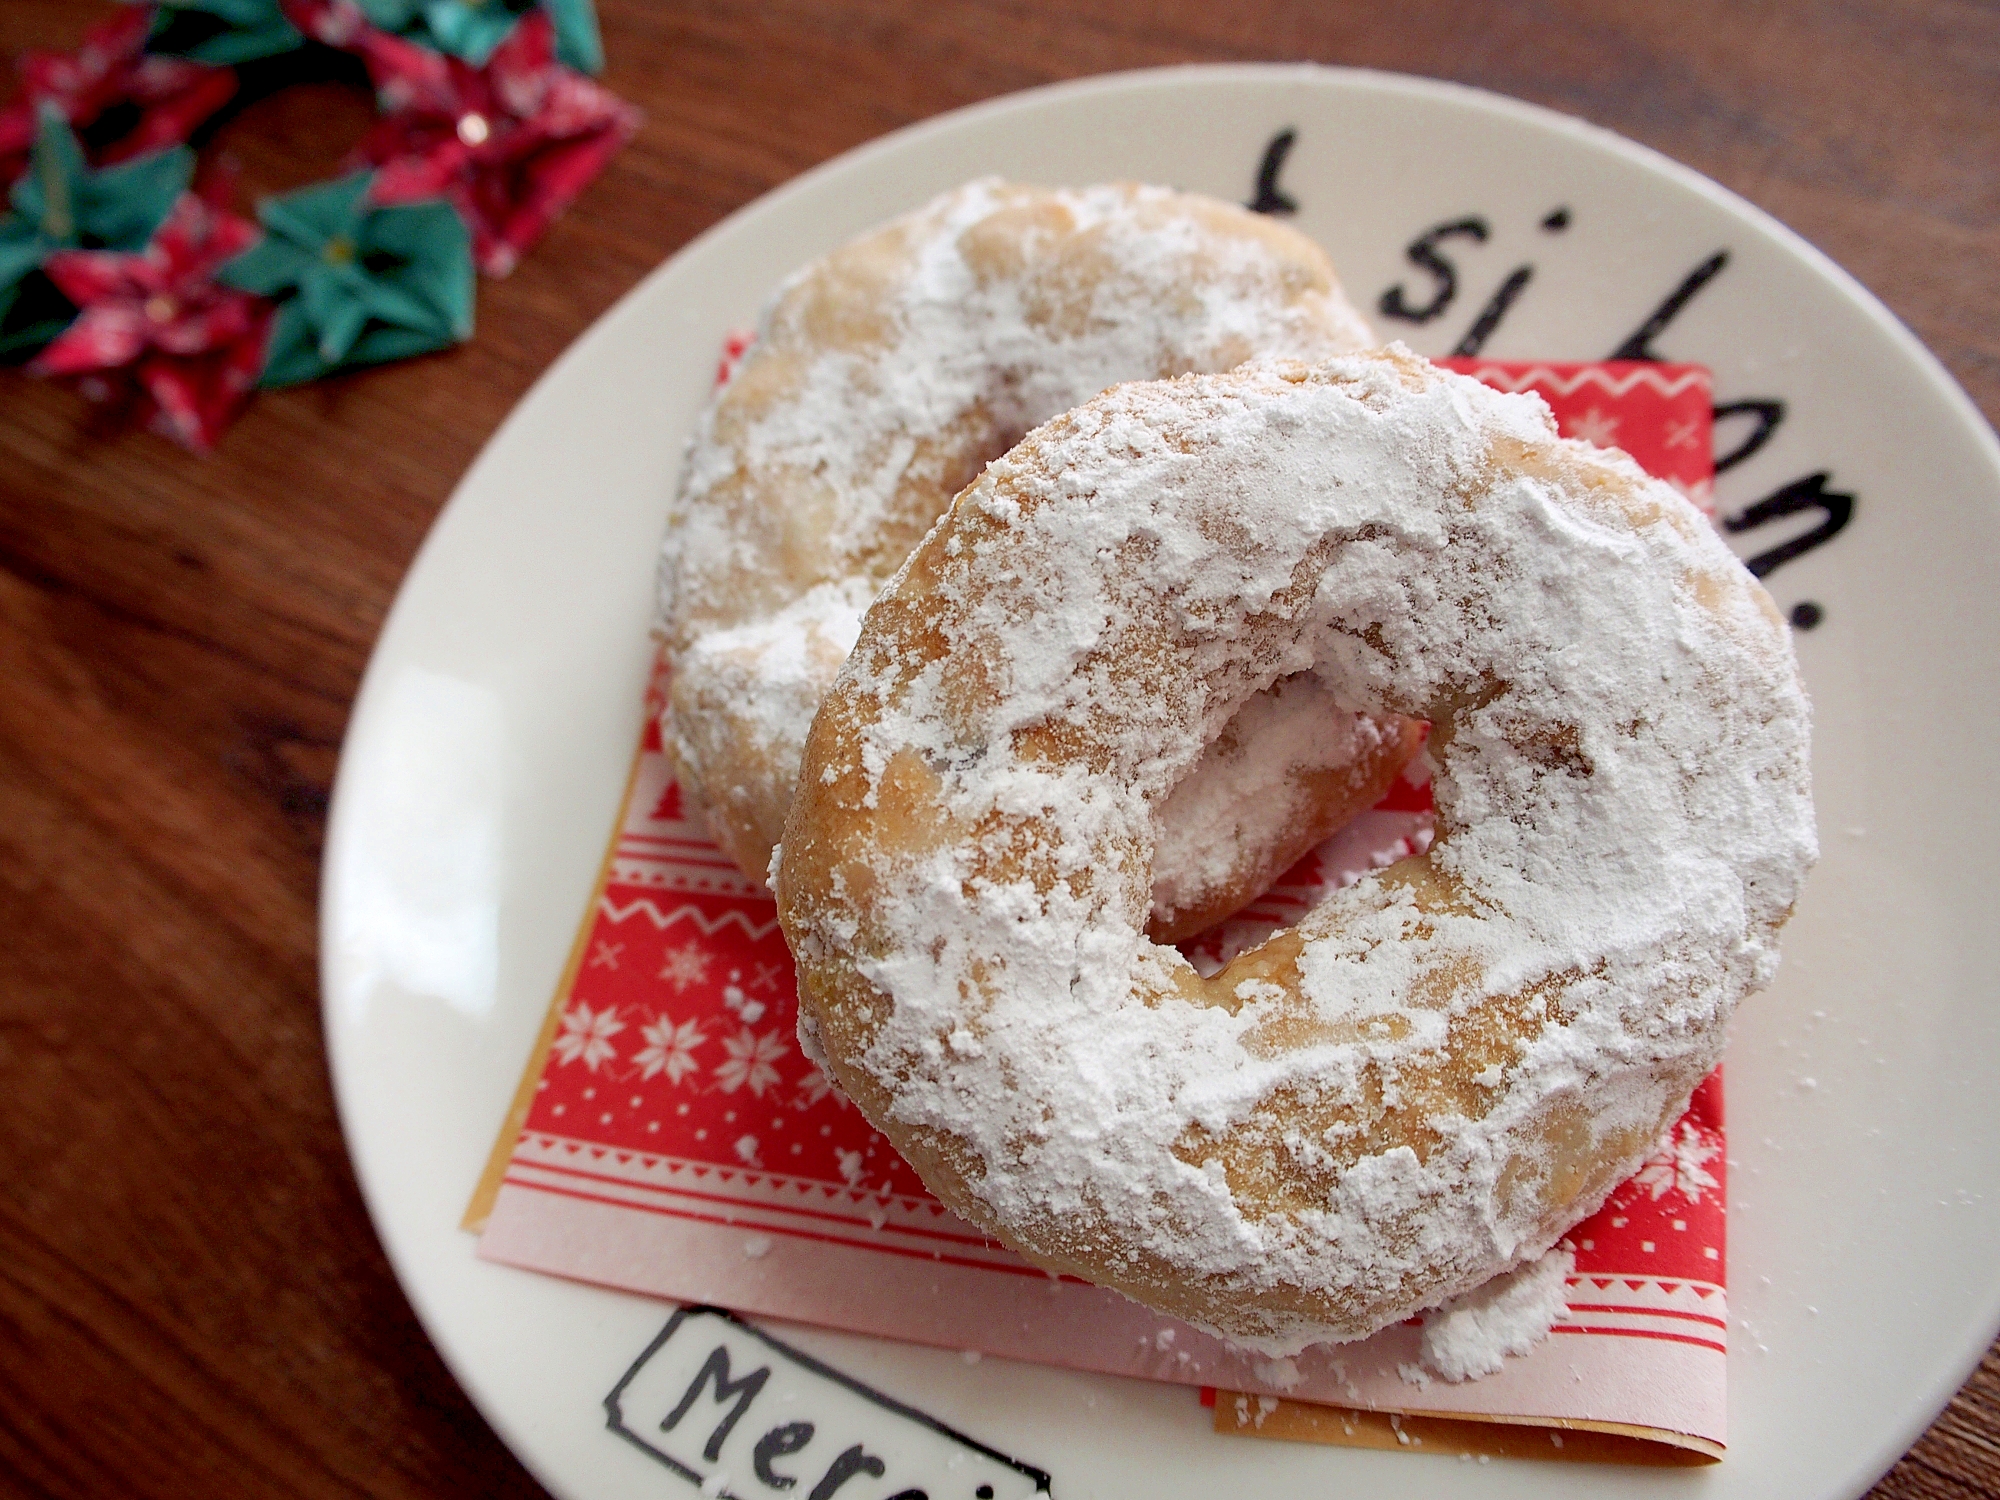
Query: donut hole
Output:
(1290,770)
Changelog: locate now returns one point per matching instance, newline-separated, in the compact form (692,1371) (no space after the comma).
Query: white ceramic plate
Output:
(493,731)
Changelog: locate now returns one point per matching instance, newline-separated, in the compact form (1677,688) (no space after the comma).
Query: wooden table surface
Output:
(192,1300)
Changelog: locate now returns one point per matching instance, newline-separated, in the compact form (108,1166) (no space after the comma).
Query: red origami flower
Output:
(173,95)
(509,144)
(157,317)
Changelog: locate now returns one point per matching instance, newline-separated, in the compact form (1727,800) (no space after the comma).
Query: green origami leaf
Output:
(392,15)
(401,308)
(577,40)
(381,344)
(120,207)
(337,307)
(45,192)
(432,239)
(471,29)
(223,32)
(21,250)
(313,215)
(269,266)
(292,354)
(356,284)
(59,203)
(69,206)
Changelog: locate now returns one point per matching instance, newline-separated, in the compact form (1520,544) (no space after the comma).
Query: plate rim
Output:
(1917,1415)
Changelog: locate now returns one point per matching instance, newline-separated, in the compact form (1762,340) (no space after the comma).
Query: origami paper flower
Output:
(223,31)
(61,204)
(359,283)
(471,29)
(157,318)
(171,95)
(509,145)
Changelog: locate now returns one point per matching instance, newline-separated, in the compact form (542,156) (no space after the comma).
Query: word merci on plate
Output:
(731,1409)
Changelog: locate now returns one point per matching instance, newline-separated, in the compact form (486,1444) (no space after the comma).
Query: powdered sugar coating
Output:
(1476,1334)
(881,379)
(1443,1066)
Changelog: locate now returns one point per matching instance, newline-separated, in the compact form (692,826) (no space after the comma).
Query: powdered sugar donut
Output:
(881,379)
(1442,1067)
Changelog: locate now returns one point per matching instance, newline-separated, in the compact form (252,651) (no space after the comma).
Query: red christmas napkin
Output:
(669,1137)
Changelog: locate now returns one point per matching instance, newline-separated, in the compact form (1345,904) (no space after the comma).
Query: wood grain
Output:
(191,1298)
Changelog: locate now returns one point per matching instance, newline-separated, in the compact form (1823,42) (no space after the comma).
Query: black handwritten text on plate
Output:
(728,1407)
(1423,300)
